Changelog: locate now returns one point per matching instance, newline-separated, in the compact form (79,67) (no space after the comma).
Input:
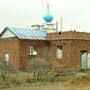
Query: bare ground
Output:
(50,86)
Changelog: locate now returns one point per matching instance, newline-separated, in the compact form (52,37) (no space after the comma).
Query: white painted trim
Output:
(7,34)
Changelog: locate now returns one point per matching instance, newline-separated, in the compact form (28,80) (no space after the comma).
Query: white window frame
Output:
(31,50)
(59,52)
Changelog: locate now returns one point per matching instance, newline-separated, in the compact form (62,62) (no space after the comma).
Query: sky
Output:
(24,13)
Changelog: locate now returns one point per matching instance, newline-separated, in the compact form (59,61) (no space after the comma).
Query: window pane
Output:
(59,52)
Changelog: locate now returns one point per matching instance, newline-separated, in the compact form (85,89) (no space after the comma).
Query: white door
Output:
(88,61)
(84,60)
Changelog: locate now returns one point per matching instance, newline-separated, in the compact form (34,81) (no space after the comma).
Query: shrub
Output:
(30,79)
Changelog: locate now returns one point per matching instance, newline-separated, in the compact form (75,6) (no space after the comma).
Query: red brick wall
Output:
(19,50)
(10,46)
(71,53)
(77,46)
(66,53)
(69,35)
(41,48)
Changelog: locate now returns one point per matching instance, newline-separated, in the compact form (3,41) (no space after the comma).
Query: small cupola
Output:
(48,17)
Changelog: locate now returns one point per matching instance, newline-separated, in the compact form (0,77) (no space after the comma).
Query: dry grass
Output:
(77,82)
(49,86)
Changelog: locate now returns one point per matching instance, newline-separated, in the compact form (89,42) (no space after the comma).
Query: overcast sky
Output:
(23,13)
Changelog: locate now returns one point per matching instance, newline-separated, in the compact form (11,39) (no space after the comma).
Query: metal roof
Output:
(23,33)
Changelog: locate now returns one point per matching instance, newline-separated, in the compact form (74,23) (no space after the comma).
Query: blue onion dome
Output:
(48,18)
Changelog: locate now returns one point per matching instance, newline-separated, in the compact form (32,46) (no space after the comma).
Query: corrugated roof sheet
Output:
(23,33)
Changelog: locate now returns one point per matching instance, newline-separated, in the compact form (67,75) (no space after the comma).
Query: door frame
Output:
(83,51)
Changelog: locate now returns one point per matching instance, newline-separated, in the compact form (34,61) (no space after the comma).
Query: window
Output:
(59,52)
(6,59)
(32,49)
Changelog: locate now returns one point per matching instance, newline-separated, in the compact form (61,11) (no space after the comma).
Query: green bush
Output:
(19,81)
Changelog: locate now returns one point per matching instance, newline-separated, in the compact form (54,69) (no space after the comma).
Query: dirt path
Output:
(56,86)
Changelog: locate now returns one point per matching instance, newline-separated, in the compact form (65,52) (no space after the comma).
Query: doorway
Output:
(85,59)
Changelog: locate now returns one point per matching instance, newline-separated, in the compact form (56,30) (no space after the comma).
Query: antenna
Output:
(57,26)
(48,8)
(61,24)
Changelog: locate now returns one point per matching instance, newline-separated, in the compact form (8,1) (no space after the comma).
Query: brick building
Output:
(69,49)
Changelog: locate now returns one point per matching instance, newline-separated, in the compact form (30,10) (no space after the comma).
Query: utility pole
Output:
(61,24)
